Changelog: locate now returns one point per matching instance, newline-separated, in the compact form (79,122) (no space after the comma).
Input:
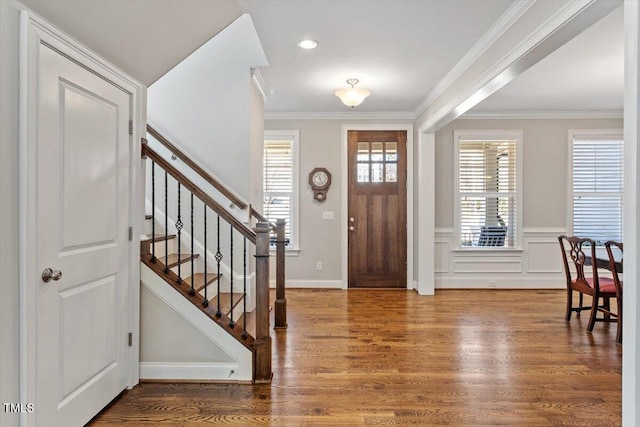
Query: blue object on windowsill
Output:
(492,235)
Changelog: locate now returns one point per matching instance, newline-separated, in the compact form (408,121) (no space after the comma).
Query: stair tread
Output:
(198,280)
(173,260)
(225,301)
(251,321)
(159,237)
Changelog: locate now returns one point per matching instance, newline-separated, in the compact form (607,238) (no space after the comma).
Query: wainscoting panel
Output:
(544,257)
(536,266)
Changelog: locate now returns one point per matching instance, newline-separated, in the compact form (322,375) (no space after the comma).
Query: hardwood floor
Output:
(359,357)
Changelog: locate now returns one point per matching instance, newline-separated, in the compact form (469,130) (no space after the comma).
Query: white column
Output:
(631,237)
(426,213)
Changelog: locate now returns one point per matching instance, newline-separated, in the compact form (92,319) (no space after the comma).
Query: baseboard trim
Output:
(499,283)
(189,371)
(310,284)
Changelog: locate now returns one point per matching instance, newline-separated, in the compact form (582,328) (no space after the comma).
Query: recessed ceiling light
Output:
(307,44)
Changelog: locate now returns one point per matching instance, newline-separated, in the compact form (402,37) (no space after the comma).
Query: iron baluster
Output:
(153,211)
(231,305)
(166,223)
(218,259)
(179,229)
(192,291)
(205,302)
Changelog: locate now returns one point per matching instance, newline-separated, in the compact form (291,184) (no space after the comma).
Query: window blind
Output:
(278,183)
(598,176)
(488,193)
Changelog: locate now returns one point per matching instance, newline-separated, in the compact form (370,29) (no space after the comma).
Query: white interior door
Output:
(82,221)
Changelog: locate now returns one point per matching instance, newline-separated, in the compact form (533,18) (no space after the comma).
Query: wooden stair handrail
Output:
(212,204)
(257,215)
(206,176)
(261,218)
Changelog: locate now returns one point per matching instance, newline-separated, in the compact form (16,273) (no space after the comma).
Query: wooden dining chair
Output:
(582,252)
(617,282)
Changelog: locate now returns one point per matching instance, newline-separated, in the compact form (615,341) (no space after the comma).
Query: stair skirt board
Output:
(225,271)
(218,372)
(242,357)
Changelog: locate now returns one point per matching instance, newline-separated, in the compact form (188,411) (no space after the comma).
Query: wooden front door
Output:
(377,217)
(82,249)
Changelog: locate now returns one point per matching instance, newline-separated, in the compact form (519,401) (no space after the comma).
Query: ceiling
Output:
(400,51)
(145,38)
(585,75)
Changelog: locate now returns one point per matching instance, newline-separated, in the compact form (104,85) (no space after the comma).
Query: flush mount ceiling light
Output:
(352,96)
(307,44)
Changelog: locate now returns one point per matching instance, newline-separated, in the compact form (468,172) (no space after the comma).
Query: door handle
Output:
(50,274)
(352,228)
(352,219)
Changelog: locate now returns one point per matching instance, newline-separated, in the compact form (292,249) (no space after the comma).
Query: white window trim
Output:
(576,133)
(294,248)
(516,134)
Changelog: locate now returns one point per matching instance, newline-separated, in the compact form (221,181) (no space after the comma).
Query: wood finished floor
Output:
(368,357)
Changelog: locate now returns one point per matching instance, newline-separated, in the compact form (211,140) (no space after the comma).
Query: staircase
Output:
(209,256)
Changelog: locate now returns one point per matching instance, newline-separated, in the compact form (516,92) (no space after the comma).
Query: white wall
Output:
(9,288)
(167,337)
(178,341)
(256,137)
(545,207)
(203,105)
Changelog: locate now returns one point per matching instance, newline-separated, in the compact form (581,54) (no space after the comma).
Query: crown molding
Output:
(260,83)
(352,115)
(532,114)
(508,18)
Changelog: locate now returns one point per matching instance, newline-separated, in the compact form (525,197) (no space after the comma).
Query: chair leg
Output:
(607,306)
(594,311)
(567,316)
(581,296)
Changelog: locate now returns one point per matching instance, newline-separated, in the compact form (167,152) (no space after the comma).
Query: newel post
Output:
(281,302)
(262,343)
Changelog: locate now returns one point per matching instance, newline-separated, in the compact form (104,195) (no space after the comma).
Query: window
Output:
(488,188)
(597,176)
(280,181)
(377,162)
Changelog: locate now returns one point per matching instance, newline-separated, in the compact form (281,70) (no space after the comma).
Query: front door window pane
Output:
(363,172)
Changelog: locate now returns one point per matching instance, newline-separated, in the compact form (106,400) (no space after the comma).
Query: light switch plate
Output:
(328,215)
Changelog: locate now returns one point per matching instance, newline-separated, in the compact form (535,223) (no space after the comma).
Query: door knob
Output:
(352,219)
(352,228)
(50,274)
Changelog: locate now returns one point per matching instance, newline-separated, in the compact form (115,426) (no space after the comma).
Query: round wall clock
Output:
(320,180)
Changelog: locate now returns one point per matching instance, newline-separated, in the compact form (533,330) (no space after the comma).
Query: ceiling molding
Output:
(511,15)
(260,83)
(377,115)
(593,114)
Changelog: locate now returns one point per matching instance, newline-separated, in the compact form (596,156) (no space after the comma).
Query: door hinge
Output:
(130,234)
(130,339)
(130,127)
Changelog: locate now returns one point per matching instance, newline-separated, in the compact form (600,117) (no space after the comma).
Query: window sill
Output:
(287,251)
(488,251)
